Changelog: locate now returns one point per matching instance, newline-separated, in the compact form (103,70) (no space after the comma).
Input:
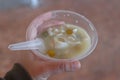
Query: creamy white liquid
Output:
(65,41)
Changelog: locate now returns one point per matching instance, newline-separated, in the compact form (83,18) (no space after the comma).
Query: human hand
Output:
(36,66)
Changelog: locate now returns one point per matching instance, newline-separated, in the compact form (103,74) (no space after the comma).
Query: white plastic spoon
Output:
(28,45)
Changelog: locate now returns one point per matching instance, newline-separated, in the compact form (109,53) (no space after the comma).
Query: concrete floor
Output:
(102,64)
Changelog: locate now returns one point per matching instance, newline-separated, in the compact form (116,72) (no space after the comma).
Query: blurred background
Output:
(102,64)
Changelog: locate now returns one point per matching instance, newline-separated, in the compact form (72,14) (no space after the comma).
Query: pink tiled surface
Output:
(102,64)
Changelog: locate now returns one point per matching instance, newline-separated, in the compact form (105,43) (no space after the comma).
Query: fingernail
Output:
(72,66)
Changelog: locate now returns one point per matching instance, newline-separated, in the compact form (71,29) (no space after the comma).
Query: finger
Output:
(56,67)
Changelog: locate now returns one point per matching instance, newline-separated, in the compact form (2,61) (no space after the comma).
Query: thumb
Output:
(57,67)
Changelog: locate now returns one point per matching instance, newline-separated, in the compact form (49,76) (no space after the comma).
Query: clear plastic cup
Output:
(60,17)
